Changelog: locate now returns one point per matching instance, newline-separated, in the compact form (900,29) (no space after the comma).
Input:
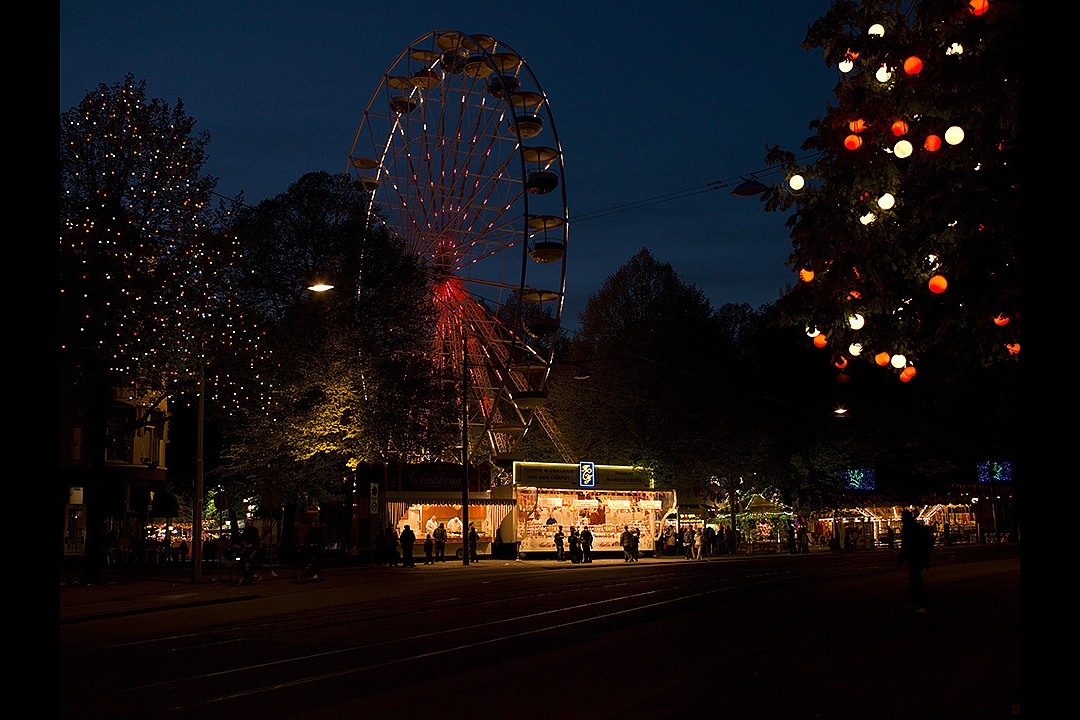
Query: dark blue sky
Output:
(649,98)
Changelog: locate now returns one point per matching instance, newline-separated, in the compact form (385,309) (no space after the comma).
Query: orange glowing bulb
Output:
(899,128)
(1013,348)
(978,7)
(913,65)
(882,358)
(1001,320)
(820,341)
(806,275)
(933,143)
(853,142)
(937,284)
(857,126)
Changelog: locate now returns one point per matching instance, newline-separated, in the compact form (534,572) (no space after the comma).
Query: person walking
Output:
(916,541)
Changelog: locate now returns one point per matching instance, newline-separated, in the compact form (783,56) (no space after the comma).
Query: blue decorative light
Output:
(994,471)
(858,479)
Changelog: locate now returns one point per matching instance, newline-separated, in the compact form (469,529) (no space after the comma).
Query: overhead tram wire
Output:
(681,194)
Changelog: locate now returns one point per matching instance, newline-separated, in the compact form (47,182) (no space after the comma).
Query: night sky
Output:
(651,99)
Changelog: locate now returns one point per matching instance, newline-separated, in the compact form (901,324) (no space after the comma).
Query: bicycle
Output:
(250,569)
(307,569)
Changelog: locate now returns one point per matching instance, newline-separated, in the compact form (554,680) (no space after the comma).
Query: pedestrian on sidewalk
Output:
(916,541)
(408,539)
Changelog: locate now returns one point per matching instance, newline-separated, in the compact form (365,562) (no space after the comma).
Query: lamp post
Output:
(464,449)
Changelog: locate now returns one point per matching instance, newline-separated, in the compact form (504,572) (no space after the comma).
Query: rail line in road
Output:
(492,615)
(303,656)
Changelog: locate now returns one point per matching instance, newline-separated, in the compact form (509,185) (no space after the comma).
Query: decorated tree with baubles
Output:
(905,223)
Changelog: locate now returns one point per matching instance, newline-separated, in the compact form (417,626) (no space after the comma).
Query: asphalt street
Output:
(750,637)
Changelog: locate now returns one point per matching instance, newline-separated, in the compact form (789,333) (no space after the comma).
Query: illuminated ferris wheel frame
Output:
(458,150)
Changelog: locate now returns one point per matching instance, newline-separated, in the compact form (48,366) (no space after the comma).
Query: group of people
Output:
(580,544)
(388,543)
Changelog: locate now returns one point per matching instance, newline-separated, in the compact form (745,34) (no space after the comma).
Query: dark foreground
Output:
(769,637)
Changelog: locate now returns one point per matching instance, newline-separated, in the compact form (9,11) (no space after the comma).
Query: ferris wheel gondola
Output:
(458,150)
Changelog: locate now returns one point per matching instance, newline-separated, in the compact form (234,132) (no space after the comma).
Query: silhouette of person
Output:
(408,539)
(380,547)
(474,540)
(915,544)
(586,545)
(560,554)
(627,542)
(439,536)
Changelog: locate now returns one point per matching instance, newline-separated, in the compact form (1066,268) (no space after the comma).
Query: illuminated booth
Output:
(605,498)
(424,495)
(423,512)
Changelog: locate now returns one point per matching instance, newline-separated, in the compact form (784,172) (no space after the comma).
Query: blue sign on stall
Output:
(586,474)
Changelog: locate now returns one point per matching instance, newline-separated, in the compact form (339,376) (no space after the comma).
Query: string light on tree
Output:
(929,110)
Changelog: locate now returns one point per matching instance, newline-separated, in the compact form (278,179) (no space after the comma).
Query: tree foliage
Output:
(933,68)
(661,380)
(340,377)
(135,250)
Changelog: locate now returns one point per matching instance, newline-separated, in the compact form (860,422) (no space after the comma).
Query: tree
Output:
(137,259)
(335,378)
(906,234)
(133,224)
(654,353)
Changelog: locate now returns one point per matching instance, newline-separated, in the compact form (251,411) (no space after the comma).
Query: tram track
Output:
(495,620)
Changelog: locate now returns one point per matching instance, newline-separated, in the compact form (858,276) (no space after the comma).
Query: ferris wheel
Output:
(458,150)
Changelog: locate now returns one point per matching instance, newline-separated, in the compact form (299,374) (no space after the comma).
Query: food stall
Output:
(423,512)
(605,498)
(766,524)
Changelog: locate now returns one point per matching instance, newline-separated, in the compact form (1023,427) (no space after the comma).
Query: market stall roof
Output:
(760,505)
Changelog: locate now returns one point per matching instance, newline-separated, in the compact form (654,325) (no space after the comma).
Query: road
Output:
(806,636)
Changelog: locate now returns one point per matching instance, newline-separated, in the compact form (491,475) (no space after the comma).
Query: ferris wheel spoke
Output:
(442,148)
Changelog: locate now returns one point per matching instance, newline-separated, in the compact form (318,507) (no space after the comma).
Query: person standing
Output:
(408,539)
(429,550)
(916,542)
(586,545)
(559,540)
(575,546)
(627,542)
(380,547)
(391,547)
(439,536)
(474,541)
